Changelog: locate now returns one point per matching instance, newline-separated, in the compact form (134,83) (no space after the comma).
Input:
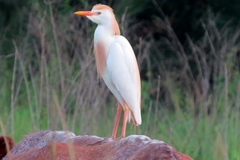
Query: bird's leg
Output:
(125,118)
(117,119)
(115,128)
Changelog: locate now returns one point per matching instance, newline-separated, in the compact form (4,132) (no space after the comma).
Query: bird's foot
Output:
(102,141)
(120,138)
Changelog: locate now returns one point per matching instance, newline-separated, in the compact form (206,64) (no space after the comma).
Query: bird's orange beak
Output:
(85,13)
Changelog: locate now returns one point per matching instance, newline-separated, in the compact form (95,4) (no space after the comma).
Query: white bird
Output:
(116,65)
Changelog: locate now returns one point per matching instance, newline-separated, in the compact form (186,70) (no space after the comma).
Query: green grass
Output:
(201,137)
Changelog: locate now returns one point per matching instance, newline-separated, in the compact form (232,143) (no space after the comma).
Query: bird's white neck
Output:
(104,35)
(102,42)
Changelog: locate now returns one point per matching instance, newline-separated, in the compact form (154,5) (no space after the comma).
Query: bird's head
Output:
(102,15)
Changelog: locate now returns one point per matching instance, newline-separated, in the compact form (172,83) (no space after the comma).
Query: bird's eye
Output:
(98,13)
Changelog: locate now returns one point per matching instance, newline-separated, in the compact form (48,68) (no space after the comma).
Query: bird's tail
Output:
(131,117)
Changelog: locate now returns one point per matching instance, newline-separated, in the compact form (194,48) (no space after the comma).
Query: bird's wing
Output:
(124,73)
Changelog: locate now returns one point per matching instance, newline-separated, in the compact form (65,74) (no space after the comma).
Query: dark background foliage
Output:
(185,16)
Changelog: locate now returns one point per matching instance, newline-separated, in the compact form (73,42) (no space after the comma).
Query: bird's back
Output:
(123,73)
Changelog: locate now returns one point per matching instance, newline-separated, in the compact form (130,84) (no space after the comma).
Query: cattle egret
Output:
(116,65)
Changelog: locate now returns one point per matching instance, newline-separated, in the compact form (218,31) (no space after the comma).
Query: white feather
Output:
(122,75)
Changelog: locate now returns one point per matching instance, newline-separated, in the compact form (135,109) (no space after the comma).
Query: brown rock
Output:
(62,145)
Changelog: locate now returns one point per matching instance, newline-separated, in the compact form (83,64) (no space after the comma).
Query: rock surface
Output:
(62,145)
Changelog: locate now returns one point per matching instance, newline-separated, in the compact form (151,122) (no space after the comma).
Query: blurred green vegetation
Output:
(188,54)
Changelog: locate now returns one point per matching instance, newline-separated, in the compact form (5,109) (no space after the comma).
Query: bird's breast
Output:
(100,57)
